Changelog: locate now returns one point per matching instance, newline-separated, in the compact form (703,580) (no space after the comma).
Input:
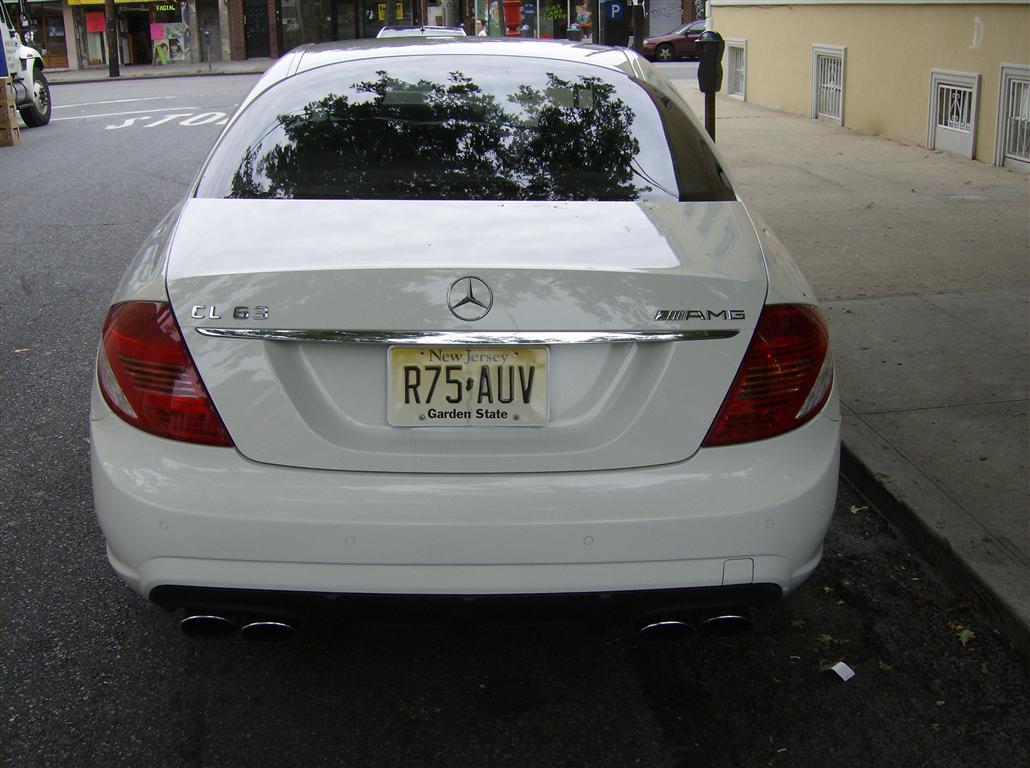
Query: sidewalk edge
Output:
(155,76)
(958,549)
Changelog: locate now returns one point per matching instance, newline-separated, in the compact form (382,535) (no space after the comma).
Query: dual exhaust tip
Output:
(205,625)
(676,628)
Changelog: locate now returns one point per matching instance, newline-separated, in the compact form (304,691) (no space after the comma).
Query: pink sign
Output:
(157,31)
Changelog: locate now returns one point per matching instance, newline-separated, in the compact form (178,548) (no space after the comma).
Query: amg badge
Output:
(699,314)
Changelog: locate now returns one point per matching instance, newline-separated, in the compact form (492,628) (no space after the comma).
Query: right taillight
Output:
(784,380)
(148,378)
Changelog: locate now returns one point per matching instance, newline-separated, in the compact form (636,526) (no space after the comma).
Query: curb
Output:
(155,76)
(965,555)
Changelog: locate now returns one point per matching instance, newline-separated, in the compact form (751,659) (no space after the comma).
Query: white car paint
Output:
(321,495)
(568,268)
(200,516)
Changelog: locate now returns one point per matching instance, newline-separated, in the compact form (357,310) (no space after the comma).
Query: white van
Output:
(25,67)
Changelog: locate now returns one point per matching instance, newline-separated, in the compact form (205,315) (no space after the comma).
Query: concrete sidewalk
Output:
(922,262)
(175,69)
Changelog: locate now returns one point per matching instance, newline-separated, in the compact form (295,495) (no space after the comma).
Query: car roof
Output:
(321,54)
(428,30)
(315,55)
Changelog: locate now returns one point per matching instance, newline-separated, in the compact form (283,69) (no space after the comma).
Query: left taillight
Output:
(148,378)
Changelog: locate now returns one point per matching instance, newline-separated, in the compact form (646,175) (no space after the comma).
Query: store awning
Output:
(172,5)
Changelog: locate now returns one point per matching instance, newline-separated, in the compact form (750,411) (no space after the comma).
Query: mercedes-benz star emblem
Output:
(469,298)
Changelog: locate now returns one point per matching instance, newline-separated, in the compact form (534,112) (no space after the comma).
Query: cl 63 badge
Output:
(204,312)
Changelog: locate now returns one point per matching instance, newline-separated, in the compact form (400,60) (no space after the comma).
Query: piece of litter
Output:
(856,508)
(22,349)
(843,670)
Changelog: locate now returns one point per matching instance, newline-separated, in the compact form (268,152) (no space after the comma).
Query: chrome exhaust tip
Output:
(666,630)
(725,625)
(207,625)
(268,632)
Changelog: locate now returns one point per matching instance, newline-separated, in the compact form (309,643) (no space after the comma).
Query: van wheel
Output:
(38,112)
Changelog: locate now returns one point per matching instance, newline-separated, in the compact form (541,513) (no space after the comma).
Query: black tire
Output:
(665,52)
(38,112)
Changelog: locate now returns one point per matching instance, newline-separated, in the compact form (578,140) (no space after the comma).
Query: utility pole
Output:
(112,38)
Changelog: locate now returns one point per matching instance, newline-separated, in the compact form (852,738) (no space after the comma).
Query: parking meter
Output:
(575,33)
(710,47)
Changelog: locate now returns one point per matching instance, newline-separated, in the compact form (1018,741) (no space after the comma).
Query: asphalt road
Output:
(92,675)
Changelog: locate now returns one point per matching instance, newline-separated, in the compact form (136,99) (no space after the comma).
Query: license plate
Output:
(467,386)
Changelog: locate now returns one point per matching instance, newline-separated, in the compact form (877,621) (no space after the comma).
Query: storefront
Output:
(42,25)
(538,18)
(316,21)
(153,32)
(263,28)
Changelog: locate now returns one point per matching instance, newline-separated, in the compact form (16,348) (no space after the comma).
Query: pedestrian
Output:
(480,28)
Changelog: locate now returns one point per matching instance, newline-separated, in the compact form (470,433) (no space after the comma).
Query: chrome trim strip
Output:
(466,338)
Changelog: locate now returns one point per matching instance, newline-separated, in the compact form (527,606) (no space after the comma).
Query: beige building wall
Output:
(891,48)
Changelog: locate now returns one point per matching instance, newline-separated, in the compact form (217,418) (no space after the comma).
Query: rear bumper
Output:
(200,517)
(602,607)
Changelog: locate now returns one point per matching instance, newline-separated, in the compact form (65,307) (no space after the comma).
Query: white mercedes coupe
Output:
(453,325)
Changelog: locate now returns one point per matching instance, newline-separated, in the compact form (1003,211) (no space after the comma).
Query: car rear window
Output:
(463,128)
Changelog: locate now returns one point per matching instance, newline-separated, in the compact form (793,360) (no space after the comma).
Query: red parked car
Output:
(678,44)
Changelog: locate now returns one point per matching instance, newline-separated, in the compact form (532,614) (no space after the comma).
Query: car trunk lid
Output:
(290,309)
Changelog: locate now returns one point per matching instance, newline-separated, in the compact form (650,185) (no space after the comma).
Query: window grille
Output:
(1017,121)
(736,61)
(831,86)
(954,107)
(828,82)
(951,124)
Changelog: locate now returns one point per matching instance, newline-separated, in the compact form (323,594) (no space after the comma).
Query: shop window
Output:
(48,35)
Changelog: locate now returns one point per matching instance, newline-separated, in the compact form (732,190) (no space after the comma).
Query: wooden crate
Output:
(8,117)
(10,136)
(6,92)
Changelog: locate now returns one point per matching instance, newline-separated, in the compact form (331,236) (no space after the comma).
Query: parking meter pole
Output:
(710,114)
(112,39)
(639,27)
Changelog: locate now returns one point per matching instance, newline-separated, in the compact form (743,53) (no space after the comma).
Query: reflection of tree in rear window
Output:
(427,130)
